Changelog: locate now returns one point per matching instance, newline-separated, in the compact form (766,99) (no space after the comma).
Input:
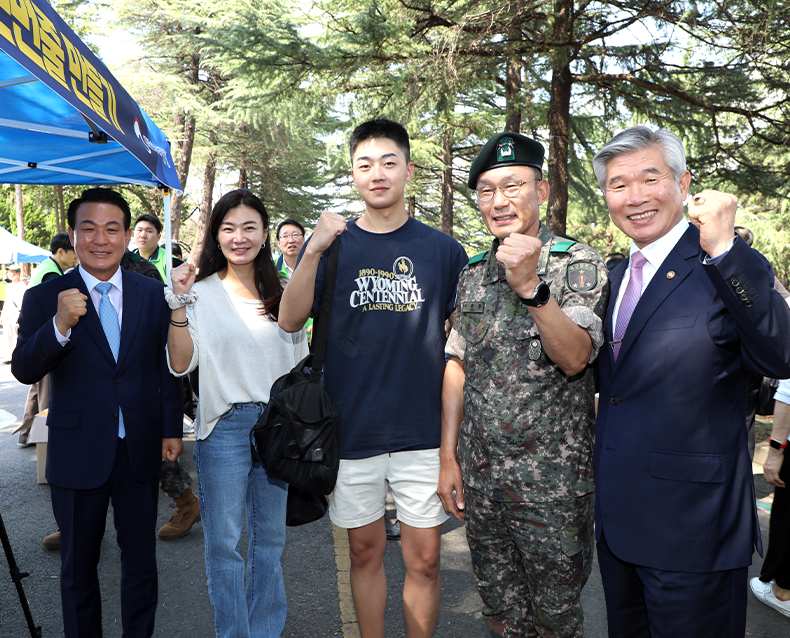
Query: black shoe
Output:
(393,531)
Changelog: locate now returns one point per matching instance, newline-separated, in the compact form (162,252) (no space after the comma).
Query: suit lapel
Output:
(680,262)
(90,321)
(132,303)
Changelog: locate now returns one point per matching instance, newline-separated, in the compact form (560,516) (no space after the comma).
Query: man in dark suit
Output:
(676,522)
(114,411)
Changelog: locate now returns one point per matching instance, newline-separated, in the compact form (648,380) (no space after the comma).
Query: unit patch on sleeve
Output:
(582,276)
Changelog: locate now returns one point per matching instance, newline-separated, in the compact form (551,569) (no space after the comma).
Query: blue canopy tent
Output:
(64,119)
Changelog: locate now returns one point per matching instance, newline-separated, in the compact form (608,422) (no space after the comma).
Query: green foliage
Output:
(38,204)
(277,87)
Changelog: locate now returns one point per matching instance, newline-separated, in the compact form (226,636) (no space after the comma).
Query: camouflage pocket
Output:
(576,534)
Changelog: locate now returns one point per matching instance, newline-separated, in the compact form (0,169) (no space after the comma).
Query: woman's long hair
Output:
(267,281)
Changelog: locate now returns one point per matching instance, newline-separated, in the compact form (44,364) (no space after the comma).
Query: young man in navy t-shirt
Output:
(396,285)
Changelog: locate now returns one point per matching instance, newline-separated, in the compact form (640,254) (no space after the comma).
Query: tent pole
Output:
(168,238)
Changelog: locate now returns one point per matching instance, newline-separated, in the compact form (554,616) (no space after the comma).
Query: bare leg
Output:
(368,583)
(422,589)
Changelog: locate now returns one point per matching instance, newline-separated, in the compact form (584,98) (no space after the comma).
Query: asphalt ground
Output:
(315,565)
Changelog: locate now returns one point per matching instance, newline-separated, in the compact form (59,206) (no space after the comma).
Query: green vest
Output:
(45,267)
(284,273)
(159,259)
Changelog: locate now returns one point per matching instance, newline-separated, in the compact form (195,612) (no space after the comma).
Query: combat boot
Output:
(52,541)
(186,515)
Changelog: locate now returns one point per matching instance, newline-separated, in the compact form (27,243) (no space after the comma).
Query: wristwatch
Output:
(777,445)
(540,297)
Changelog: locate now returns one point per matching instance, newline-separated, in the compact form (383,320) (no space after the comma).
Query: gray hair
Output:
(635,139)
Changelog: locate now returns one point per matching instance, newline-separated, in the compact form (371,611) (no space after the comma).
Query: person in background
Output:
(174,480)
(756,379)
(772,588)
(290,239)
(613,259)
(63,258)
(147,233)
(14,292)
(225,321)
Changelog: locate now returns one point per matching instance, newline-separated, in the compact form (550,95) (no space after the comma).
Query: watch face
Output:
(540,297)
(542,293)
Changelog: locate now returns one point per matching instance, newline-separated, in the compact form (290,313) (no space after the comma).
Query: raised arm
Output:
(565,343)
(297,300)
(179,342)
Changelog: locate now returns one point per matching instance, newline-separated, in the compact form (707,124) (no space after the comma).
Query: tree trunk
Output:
(446,215)
(559,119)
(185,146)
(60,209)
(185,125)
(242,183)
(513,92)
(242,174)
(20,225)
(206,203)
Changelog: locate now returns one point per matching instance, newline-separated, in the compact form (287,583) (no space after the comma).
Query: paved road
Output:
(314,564)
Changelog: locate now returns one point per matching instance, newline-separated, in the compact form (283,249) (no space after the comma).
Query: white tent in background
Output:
(13,249)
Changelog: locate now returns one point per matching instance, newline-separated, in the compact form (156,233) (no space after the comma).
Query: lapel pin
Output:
(671,274)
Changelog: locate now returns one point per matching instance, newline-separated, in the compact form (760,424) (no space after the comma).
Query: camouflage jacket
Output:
(528,429)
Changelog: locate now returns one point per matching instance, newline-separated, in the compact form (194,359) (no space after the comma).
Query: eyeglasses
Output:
(293,236)
(487,193)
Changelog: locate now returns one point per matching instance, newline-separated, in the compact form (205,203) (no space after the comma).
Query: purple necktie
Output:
(633,291)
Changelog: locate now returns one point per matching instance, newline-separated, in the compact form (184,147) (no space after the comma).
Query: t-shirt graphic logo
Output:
(393,291)
(403,267)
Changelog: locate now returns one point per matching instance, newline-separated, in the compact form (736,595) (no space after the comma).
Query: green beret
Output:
(506,149)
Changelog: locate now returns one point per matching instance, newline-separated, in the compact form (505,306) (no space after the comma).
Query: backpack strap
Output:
(321,327)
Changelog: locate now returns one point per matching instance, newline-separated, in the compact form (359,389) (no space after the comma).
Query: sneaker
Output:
(765,594)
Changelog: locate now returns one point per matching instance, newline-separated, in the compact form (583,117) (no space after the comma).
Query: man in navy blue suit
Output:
(692,313)
(114,411)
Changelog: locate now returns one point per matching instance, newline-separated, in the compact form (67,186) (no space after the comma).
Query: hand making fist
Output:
(71,306)
(519,255)
(713,212)
(182,278)
(329,226)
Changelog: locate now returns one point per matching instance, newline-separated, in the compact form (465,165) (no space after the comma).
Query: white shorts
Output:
(361,489)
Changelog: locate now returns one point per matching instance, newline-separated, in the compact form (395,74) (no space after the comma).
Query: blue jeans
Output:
(228,484)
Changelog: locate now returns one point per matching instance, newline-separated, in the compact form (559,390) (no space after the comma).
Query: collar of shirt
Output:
(116,292)
(655,253)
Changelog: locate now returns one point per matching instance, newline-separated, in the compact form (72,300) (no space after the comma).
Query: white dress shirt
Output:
(655,253)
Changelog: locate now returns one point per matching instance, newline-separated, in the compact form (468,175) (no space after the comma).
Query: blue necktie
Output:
(112,329)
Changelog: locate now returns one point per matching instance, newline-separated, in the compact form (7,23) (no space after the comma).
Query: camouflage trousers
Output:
(530,561)
(174,479)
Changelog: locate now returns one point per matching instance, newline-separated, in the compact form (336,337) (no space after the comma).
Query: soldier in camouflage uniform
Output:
(517,417)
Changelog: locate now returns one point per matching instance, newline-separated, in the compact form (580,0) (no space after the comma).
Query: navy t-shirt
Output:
(385,351)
